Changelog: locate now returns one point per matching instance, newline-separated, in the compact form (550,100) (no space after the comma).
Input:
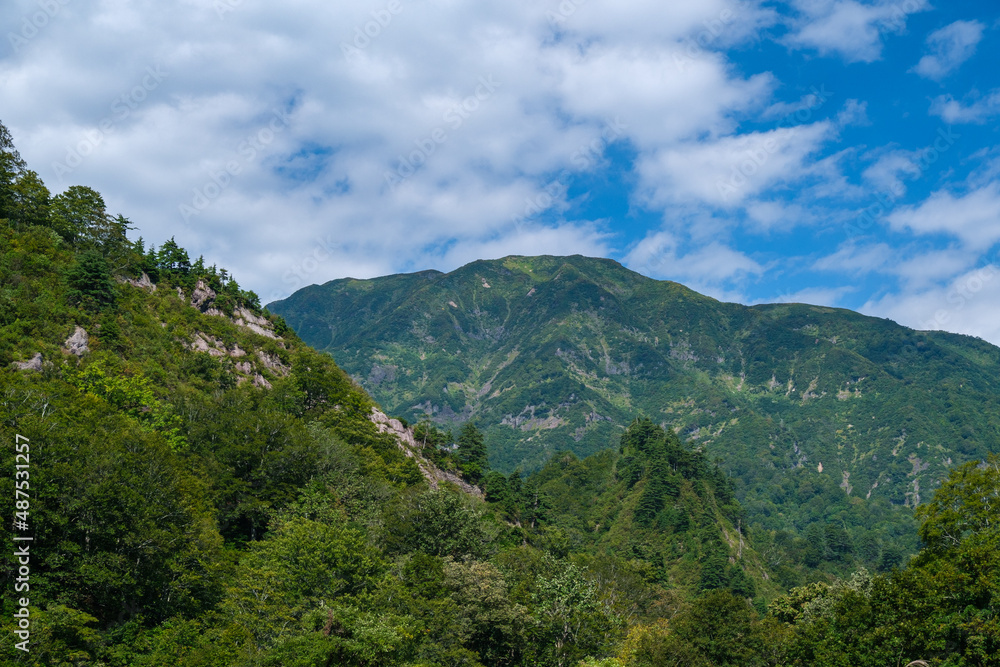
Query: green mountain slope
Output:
(205,489)
(200,488)
(190,484)
(809,409)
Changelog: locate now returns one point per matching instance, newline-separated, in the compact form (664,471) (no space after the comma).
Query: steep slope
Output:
(803,404)
(205,489)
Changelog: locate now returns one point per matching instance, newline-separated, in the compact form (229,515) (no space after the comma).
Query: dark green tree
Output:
(472,452)
(80,216)
(815,547)
(441,523)
(741,584)
(714,566)
(173,260)
(30,200)
(89,282)
(11,166)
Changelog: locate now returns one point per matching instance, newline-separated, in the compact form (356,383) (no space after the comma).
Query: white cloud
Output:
(854,259)
(853,30)
(949,48)
(979,110)
(650,67)
(710,269)
(728,171)
(854,112)
(777,215)
(933,267)
(964,305)
(887,171)
(974,218)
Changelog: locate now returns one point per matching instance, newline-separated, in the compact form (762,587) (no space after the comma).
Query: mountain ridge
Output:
(560,353)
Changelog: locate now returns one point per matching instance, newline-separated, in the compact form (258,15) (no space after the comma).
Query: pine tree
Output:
(29,200)
(472,451)
(11,165)
(713,567)
(89,282)
(740,583)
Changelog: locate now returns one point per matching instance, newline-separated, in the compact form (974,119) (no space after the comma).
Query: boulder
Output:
(77,343)
(33,364)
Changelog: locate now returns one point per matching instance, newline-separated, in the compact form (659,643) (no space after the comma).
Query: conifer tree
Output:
(89,282)
(472,451)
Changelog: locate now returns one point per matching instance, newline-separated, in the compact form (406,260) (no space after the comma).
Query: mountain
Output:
(202,488)
(192,485)
(812,411)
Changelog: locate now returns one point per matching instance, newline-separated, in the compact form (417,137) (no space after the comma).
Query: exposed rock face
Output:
(409,446)
(273,363)
(33,364)
(202,294)
(77,343)
(205,343)
(244,318)
(143,282)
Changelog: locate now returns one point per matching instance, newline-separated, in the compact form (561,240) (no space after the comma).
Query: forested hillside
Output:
(206,490)
(823,419)
(201,488)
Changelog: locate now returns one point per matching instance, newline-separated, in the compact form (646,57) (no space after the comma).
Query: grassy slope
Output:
(553,353)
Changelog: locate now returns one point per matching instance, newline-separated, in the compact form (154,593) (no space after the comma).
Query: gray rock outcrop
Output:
(78,343)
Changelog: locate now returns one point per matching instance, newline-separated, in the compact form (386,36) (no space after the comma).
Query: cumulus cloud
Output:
(973,218)
(978,110)
(850,29)
(713,268)
(888,171)
(949,47)
(393,142)
(729,170)
(966,304)
(855,259)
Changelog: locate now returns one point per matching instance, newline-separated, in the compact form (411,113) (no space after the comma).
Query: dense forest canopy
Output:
(207,490)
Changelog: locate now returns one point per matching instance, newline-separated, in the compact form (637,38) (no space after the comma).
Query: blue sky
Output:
(838,152)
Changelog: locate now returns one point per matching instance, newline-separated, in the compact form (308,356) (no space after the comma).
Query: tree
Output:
(173,260)
(815,548)
(301,565)
(441,523)
(90,283)
(571,622)
(80,216)
(966,505)
(713,567)
(30,200)
(11,165)
(472,452)
(741,584)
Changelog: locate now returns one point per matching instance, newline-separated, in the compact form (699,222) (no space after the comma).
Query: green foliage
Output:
(965,507)
(188,512)
(11,167)
(90,283)
(718,629)
(471,452)
(130,393)
(441,523)
(563,353)
(29,202)
(942,607)
(79,215)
